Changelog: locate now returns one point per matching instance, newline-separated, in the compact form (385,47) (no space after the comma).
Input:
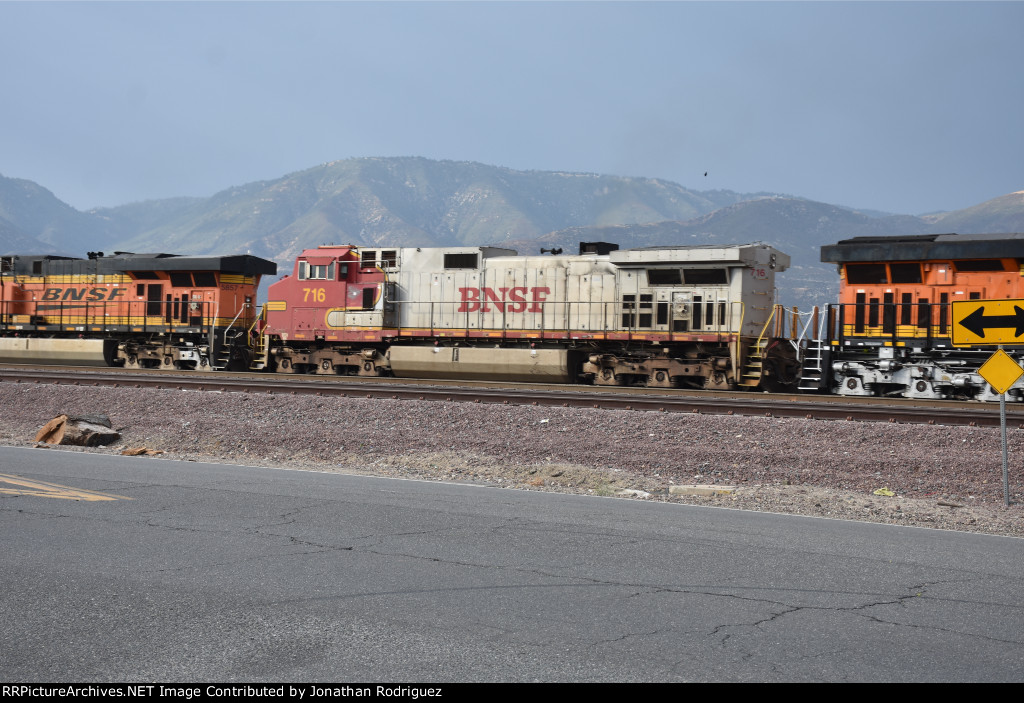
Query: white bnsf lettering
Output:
(92,294)
(516,299)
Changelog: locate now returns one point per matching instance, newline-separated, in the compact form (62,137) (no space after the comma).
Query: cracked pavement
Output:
(224,573)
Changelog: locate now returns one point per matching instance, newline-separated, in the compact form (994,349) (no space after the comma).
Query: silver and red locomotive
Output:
(673,316)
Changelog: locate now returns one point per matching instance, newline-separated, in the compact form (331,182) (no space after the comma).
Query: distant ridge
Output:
(413,201)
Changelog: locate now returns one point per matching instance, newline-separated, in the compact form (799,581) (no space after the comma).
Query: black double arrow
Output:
(976,323)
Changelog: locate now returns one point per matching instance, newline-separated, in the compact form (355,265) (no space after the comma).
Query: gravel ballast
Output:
(942,477)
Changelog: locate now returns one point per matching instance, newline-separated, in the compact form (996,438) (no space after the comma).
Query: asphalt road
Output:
(141,570)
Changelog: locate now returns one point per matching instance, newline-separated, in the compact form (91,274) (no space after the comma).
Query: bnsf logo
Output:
(518,299)
(83,294)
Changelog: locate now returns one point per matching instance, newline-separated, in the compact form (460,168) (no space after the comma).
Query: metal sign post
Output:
(1001,372)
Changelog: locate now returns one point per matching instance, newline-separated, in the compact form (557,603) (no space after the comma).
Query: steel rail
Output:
(652,400)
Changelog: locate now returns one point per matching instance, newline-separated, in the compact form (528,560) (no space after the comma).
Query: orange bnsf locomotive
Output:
(132,310)
(892,332)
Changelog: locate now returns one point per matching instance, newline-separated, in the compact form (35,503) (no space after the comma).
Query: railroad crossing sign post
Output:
(980,322)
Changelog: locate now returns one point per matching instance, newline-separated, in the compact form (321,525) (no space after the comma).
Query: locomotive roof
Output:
(744,254)
(124,262)
(925,247)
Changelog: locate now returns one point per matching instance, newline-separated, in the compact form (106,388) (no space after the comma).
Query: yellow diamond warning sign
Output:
(1001,371)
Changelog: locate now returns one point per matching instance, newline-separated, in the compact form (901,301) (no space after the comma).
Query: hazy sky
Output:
(906,107)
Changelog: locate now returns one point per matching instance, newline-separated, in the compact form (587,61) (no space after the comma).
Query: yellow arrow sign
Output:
(1001,371)
(41,489)
(988,322)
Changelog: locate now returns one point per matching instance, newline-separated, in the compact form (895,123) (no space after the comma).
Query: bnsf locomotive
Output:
(687,316)
(133,310)
(892,331)
(695,316)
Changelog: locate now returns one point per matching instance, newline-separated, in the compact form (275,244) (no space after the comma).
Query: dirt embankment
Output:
(943,477)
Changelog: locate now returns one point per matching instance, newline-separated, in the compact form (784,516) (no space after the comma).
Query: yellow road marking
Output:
(42,489)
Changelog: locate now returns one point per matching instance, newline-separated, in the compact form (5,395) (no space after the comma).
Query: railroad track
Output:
(639,399)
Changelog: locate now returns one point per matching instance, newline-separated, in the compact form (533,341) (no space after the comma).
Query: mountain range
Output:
(411,201)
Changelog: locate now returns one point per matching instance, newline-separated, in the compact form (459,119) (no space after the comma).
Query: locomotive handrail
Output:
(767,323)
(260,316)
(233,321)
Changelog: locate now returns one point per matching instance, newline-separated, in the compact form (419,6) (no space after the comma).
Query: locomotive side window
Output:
(866,274)
(705,277)
(181,280)
(389,258)
(888,313)
(154,295)
(205,279)
(6,264)
(367,259)
(906,308)
(628,310)
(144,275)
(980,265)
(905,273)
(924,313)
(662,314)
(308,271)
(460,261)
(646,305)
(664,277)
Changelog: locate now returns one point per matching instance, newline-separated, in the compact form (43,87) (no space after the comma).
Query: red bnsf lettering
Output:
(539,296)
(518,297)
(470,299)
(502,299)
(91,294)
(490,295)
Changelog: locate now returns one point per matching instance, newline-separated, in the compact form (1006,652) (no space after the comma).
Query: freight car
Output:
(132,310)
(892,331)
(672,316)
